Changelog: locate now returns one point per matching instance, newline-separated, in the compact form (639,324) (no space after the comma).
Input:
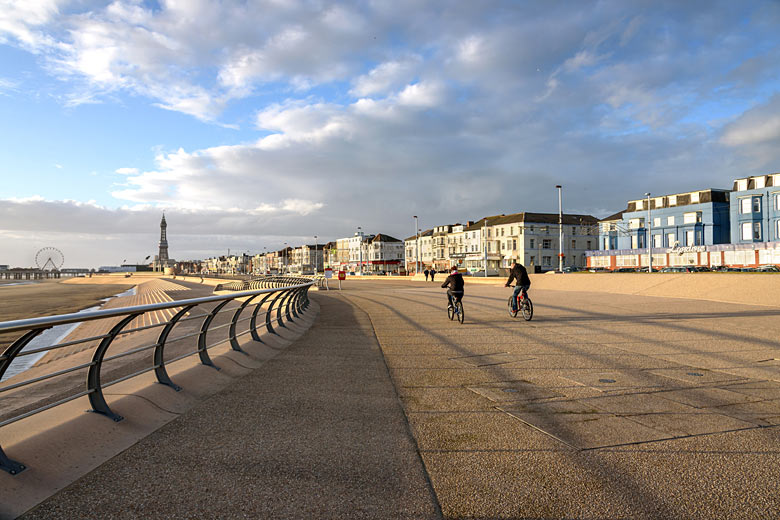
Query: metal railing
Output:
(279,299)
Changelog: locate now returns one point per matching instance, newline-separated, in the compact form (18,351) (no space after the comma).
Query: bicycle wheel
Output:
(450,312)
(528,309)
(461,314)
(512,312)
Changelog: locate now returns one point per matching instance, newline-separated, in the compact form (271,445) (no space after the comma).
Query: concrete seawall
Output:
(744,288)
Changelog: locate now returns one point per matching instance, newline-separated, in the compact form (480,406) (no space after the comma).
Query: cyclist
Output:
(518,273)
(454,285)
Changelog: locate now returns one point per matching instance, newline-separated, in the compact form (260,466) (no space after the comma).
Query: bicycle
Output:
(456,310)
(524,305)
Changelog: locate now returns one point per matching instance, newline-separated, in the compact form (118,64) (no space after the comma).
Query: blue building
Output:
(695,218)
(755,209)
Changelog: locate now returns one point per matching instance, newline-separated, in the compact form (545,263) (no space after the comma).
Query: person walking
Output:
(433,273)
(426,275)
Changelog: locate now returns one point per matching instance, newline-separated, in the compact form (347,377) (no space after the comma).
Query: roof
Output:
(426,233)
(384,238)
(616,216)
(532,218)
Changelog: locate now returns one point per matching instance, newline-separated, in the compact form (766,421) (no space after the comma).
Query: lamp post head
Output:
(558,186)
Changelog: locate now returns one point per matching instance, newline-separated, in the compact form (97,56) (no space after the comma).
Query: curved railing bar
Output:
(96,398)
(16,347)
(159,350)
(253,320)
(233,341)
(202,348)
(268,313)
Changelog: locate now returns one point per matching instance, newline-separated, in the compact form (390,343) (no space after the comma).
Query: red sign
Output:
(342,275)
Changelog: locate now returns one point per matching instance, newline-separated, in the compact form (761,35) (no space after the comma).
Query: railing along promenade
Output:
(274,299)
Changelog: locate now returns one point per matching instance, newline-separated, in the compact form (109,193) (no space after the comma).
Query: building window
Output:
(635,223)
(658,240)
(742,184)
(744,205)
(546,260)
(689,237)
(756,230)
(546,243)
(777,201)
(777,229)
(692,218)
(760,182)
(756,204)
(672,200)
(532,245)
(514,245)
(640,204)
(657,222)
(574,244)
(670,221)
(747,231)
(634,241)
(670,240)
(588,244)
(695,198)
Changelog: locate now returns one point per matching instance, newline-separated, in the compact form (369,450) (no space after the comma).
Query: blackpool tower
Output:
(162,257)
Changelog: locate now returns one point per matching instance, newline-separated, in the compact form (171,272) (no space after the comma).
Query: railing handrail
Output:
(75,317)
(285,301)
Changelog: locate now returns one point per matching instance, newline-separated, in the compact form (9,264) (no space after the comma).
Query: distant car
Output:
(598,270)
(768,269)
(625,270)
(678,269)
(571,269)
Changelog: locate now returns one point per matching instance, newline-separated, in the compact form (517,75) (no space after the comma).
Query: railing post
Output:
(268,326)
(253,321)
(11,466)
(290,295)
(202,348)
(279,320)
(159,359)
(233,341)
(94,388)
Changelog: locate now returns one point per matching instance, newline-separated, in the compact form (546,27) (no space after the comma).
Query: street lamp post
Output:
(649,237)
(286,259)
(316,261)
(486,247)
(416,247)
(360,248)
(560,228)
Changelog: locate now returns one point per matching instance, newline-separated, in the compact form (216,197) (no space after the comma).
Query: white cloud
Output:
(386,77)
(127,171)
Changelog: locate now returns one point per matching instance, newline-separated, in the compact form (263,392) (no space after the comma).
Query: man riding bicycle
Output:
(454,284)
(518,273)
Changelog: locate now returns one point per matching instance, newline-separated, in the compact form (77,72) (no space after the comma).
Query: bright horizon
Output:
(252,124)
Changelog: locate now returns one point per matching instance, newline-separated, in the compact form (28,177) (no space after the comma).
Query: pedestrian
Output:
(426,275)
(433,272)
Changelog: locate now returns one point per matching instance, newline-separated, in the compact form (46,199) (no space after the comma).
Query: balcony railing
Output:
(274,299)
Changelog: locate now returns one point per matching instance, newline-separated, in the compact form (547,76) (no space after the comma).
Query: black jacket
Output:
(454,282)
(518,273)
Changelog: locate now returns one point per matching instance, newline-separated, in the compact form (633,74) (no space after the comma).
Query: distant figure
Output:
(433,273)
(426,275)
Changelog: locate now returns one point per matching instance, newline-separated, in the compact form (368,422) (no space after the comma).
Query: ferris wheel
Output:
(49,259)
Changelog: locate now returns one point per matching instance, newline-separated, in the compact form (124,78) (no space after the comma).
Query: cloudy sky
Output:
(254,123)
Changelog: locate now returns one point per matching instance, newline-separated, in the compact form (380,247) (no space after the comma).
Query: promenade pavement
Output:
(603,406)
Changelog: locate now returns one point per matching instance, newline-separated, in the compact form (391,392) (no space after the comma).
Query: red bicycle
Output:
(524,305)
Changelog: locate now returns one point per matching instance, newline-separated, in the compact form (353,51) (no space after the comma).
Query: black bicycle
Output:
(455,309)
(524,304)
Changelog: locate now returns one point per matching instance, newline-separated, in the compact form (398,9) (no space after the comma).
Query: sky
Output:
(252,124)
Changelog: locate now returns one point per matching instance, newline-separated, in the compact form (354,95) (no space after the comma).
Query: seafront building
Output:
(712,227)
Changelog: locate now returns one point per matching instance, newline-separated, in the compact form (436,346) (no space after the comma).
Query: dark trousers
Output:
(454,295)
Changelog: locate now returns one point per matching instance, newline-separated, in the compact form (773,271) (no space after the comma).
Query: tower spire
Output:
(162,258)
